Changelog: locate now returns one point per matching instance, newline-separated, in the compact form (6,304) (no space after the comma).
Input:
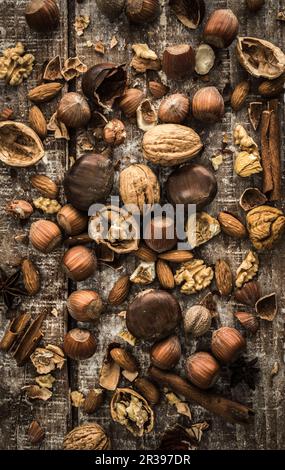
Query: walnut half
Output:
(248,269)
(194,276)
(265,225)
(247,161)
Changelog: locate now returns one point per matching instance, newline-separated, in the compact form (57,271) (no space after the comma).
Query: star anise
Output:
(244,371)
(10,287)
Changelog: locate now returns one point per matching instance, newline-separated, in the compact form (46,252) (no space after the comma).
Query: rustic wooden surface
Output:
(267,431)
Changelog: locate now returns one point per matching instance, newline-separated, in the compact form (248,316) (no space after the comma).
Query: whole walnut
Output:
(265,226)
(139,186)
(87,437)
(197,320)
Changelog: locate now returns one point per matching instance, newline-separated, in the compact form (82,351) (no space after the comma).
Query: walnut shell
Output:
(139,186)
(87,437)
(171,144)
(20,146)
(130,409)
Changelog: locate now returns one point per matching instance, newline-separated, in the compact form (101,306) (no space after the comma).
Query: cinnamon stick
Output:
(14,331)
(231,411)
(267,186)
(274,149)
(30,340)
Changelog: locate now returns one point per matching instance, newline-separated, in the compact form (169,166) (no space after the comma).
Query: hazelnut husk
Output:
(114,133)
(178,61)
(166,353)
(148,390)
(197,320)
(248,294)
(174,108)
(79,344)
(79,263)
(89,180)
(71,220)
(208,105)
(192,184)
(227,344)
(73,110)
(139,185)
(221,28)
(44,235)
(142,11)
(153,314)
(85,305)
(130,101)
(159,234)
(42,15)
(202,370)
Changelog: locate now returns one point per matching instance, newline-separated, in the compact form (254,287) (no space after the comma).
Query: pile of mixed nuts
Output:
(153,314)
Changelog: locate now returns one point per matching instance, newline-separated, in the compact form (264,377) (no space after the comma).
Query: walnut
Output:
(16,65)
(73,67)
(144,52)
(248,269)
(247,162)
(47,359)
(81,23)
(207,227)
(217,161)
(145,59)
(265,225)
(49,206)
(87,437)
(195,275)
(144,274)
(45,381)
(139,185)
(77,399)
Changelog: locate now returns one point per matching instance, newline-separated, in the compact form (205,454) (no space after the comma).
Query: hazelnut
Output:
(112,9)
(20,209)
(208,105)
(166,354)
(174,108)
(159,234)
(158,90)
(202,370)
(130,101)
(139,185)
(227,344)
(142,11)
(73,110)
(79,344)
(124,359)
(114,133)
(45,186)
(178,61)
(148,390)
(204,59)
(197,320)
(221,28)
(85,305)
(153,314)
(71,220)
(79,263)
(254,5)
(44,235)
(42,15)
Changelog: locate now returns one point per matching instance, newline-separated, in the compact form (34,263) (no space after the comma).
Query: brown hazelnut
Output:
(79,344)
(114,133)
(73,110)
(142,11)
(158,90)
(227,344)
(85,305)
(112,9)
(124,359)
(20,209)
(79,263)
(202,370)
(221,28)
(174,108)
(254,5)
(148,390)
(153,314)
(139,185)
(130,101)
(178,61)
(208,105)
(166,353)
(71,220)
(42,15)
(44,235)
(159,234)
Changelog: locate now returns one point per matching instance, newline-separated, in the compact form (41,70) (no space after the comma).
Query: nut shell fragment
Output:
(20,146)
(250,198)
(266,307)
(207,227)
(189,12)
(248,321)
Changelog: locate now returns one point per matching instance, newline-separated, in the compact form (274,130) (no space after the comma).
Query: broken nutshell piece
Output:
(250,198)
(266,307)
(20,146)
(52,70)
(207,227)
(248,321)
(144,274)
(254,113)
(73,67)
(146,116)
(248,294)
(189,12)
(48,358)
(36,433)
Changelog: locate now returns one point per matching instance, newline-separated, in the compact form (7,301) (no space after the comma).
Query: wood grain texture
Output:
(267,430)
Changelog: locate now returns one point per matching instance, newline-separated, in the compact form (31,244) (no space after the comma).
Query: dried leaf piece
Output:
(81,23)
(189,12)
(250,198)
(113,42)
(77,399)
(182,408)
(59,129)
(260,58)
(265,225)
(73,67)
(146,116)
(52,71)
(144,274)
(35,432)
(20,146)
(35,392)
(248,269)
(29,341)
(194,276)
(254,113)
(207,227)
(16,65)
(266,307)
(47,359)
(45,381)
(247,162)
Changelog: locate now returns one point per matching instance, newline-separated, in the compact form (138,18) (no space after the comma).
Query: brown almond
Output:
(93,400)
(148,390)
(124,359)
(145,254)
(223,277)
(31,277)
(164,275)
(231,225)
(45,186)
(37,122)
(120,291)
(239,95)
(36,433)
(176,256)
(44,92)
(272,87)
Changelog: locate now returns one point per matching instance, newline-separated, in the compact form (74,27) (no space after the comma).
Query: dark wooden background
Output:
(56,416)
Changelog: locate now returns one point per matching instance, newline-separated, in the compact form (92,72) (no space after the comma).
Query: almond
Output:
(120,291)
(38,122)
(93,400)
(239,95)
(272,87)
(45,186)
(223,277)
(45,92)
(31,277)
(176,256)
(124,359)
(164,274)
(231,225)
(35,432)
(146,254)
